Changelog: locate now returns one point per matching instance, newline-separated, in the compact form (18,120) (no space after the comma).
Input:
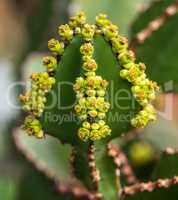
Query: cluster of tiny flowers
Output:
(56,47)
(78,20)
(33,126)
(143,89)
(67,31)
(34,99)
(41,83)
(90,91)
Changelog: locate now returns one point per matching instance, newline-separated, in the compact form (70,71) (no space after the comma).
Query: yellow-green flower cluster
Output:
(66,32)
(56,47)
(88,31)
(91,106)
(143,89)
(50,63)
(34,99)
(77,20)
(144,116)
(33,127)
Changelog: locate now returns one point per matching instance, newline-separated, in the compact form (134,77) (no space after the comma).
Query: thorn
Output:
(149,186)
(95,173)
(154,25)
(122,163)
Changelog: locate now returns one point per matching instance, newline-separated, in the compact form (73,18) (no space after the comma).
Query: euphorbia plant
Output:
(90,93)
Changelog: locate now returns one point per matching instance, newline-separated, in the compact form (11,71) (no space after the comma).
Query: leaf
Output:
(36,186)
(48,155)
(62,122)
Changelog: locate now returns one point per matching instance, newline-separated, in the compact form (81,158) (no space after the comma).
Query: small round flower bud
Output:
(86,125)
(101,93)
(93,113)
(82,101)
(104,83)
(55,46)
(95,135)
(119,44)
(102,21)
(152,96)
(87,49)
(78,30)
(65,32)
(95,126)
(90,65)
(111,31)
(84,134)
(126,57)
(78,20)
(90,74)
(78,108)
(101,115)
(124,73)
(83,117)
(80,82)
(33,127)
(88,32)
(105,131)
(50,62)
(91,93)
(101,123)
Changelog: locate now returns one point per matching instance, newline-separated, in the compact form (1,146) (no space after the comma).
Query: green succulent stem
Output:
(90,78)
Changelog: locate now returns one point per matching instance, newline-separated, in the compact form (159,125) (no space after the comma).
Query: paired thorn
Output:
(122,163)
(149,186)
(95,173)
